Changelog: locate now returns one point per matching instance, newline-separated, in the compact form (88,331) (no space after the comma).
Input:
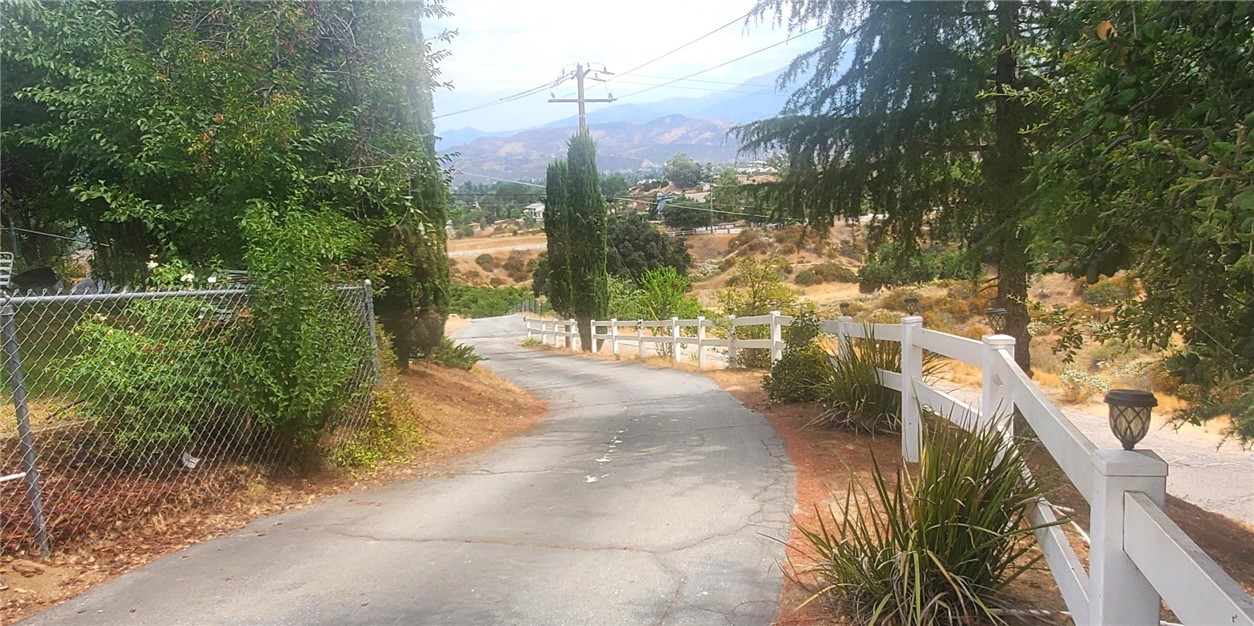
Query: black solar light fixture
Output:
(844,309)
(996,318)
(1130,414)
(912,304)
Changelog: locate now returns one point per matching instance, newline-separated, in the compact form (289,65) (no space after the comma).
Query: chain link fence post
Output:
(30,467)
(374,338)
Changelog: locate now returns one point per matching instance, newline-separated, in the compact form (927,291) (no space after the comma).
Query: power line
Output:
(502,100)
(663,56)
(701,80)
(629,82)
(714,67)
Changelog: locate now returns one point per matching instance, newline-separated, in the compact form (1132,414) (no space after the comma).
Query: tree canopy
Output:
(160,128)
(683,171)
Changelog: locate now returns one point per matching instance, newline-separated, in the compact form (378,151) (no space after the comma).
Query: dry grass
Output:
(494,242)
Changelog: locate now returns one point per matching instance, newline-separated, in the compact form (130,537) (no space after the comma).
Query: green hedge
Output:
(470,301)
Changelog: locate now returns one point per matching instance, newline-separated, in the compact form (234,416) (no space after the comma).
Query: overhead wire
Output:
(725,63)
(504,99)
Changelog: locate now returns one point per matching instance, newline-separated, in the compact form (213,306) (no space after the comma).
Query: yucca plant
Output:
(851,392)
(452,354)
(934,548)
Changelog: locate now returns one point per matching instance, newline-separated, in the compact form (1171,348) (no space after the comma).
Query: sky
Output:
(504,47)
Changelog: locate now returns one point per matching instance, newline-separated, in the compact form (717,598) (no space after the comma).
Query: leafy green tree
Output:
(587,237)
(757,288)
(664,294)
(686,213)
(909,114)
(615,186)
(635,246)
(1151,169)
(161,123)
(683,171)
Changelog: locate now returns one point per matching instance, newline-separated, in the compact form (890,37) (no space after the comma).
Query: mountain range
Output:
(629,136)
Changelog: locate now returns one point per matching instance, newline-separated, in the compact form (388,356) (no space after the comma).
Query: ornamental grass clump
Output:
(851,392)
(937,547)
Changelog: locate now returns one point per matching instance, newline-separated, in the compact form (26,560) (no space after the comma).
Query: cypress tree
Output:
(557,232)
(589,283)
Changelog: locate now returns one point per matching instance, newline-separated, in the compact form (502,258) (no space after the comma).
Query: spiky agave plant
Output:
(938,547)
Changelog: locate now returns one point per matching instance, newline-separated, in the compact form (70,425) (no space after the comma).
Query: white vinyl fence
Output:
(1137,555)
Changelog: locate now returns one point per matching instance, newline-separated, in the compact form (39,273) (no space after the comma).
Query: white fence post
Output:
(777,337)
(731,341)
(843,341)
(675,352)
(640,339)
(572,333)
(614,336)
(527,324)
(911,371)
(994,400)
(1118,591)
(700,342)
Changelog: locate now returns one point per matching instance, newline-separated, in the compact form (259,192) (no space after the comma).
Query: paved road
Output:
(645,496)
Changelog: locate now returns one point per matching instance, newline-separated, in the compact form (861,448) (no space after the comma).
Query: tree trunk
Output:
(585,334)
(1005,172)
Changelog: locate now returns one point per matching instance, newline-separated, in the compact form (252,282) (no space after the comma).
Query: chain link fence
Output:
(120,405)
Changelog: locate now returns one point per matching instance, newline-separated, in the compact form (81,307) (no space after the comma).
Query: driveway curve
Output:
(645,496)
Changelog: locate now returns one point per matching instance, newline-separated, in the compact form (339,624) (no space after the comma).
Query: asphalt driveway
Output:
(645,496)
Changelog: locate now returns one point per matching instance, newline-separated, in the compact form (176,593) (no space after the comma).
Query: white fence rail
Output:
(1138,557)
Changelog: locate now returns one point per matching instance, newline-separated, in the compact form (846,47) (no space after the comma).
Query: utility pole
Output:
(579,74)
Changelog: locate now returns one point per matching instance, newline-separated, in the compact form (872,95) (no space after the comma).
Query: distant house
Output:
(535,211)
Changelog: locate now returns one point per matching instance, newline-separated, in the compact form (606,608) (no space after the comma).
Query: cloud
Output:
(504,47)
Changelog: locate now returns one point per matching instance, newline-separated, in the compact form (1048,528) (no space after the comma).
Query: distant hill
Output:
(629,136)
(620,146)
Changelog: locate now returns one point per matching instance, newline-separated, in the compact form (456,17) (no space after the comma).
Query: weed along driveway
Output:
(645,496)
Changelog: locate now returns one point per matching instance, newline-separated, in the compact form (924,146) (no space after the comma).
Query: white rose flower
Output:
(188,277)
(212,279)
(152,265)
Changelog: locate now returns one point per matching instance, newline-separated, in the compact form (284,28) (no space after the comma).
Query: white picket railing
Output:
(1138,557)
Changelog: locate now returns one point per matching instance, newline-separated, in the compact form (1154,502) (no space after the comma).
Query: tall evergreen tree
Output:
(589,287)
(909,115)
(557,234)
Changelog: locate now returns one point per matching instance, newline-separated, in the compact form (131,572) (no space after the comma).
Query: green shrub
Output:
(486,261)
(471,301)
(889,265)
(805,278)
(393,426)
(301,376)
(1107,292)
(835,273)
(932,549)
(467,230)
(799,373)
(155,375)
(513,263)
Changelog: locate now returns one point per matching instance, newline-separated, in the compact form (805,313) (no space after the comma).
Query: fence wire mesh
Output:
(136,402)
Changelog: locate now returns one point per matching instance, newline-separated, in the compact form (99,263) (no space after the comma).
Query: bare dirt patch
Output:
(463,411)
